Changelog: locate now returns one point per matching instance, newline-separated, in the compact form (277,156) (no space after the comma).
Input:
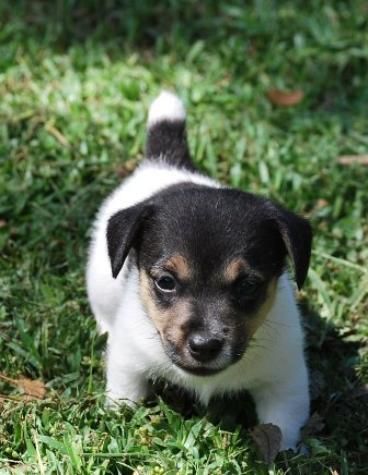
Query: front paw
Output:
(114,402)
(290,439)
(127,391)
(270,441)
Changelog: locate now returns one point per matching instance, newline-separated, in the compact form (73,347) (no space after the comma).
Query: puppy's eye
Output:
(166,283)
(246,288)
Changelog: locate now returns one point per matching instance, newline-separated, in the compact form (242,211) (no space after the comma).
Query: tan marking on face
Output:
(172,323)
(254,322)
(179,265)
(234,269)
(156,316)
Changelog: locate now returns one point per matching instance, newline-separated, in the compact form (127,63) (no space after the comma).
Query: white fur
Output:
(273,369)
(166,106)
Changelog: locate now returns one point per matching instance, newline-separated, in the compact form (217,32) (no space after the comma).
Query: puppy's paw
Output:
(115,402)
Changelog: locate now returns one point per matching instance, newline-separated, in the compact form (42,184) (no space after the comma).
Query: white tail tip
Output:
(166,106)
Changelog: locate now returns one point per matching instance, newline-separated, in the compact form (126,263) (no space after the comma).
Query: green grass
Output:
(76,79)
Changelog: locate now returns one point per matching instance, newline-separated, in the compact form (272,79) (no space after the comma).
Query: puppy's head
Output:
(208,260)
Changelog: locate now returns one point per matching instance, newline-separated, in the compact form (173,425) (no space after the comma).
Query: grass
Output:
(76,79)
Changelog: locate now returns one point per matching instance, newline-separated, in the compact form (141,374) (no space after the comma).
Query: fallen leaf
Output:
(32,388)
(285,98)
(267,438)
(353,160)
(314,425)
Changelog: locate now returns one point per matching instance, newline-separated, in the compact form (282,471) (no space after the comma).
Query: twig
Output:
(57,134)
(353,160)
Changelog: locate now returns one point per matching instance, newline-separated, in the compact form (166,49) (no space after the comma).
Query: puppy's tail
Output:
(167,138)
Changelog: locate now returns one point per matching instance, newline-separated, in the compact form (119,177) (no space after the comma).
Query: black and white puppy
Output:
(188,278)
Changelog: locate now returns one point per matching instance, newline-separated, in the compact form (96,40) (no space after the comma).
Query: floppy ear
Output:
(122,230)
(296,233)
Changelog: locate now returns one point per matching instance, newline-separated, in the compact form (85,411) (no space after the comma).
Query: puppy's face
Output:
(205,320)
(209,261)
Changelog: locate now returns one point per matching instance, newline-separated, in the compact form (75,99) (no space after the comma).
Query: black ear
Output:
(122,230)
(296,233)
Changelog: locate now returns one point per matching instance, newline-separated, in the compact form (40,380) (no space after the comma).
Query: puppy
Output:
(188,278)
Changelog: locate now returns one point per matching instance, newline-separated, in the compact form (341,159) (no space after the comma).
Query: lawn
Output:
(76,79)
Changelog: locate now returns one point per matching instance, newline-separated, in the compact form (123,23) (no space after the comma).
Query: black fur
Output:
(297,236)
(122,233)
(211,225)
(167,140)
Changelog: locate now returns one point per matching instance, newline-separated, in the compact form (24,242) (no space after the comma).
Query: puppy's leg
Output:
(124,387)
(285,405)
(126,380)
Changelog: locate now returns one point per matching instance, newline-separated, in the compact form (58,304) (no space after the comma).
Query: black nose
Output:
(204,348)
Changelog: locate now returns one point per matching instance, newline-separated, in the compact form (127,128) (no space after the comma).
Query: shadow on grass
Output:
(333,61)
(139,24)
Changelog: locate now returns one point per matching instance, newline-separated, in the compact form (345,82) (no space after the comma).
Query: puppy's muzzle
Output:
(204,347)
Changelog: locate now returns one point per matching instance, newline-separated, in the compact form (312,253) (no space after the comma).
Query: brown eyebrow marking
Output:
(179,265)
(234,268)
(237,267)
